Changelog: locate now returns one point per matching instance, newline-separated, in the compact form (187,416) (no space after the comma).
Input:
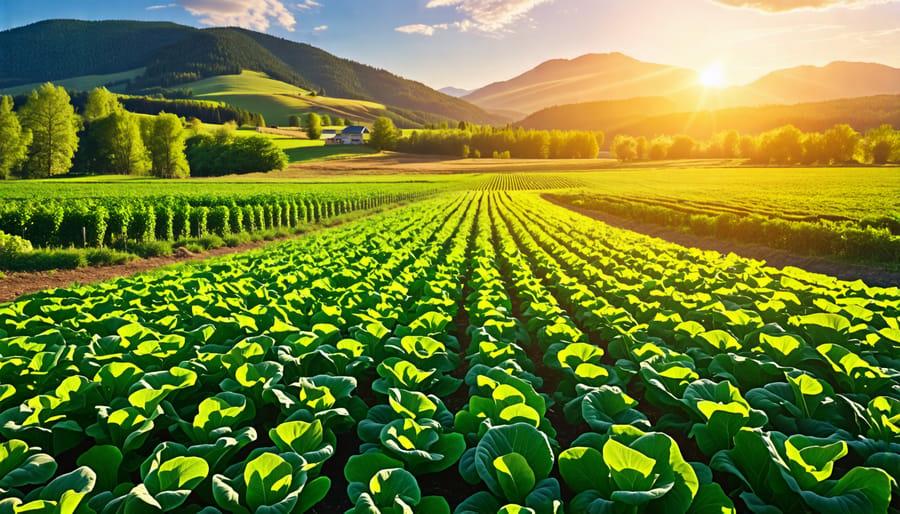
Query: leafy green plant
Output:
(422,445)
(62,495)
(21,465)
(379,486)
(396,372)
(604,406)
(630,471)
(499,398)
(269,483)
(793,473)
(403,404)
(514,462)
(326,398)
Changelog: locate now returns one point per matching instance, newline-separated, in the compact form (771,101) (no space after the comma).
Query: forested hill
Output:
(348,79)
(653,116)
(172,54)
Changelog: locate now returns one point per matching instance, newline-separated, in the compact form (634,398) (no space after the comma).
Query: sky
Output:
(471,43)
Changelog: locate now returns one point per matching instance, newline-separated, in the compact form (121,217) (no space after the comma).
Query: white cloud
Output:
(320,28)
(488,15)
(418,28)
(308,4)
(794,5)
(251,14)
(154,7)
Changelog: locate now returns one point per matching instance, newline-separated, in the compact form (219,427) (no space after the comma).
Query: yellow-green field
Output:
(83,83)
(277,101)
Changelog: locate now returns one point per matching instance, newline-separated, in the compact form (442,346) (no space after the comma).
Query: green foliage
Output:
(13,246)
(100,104)
(50,117)
(793,473)
(14,140)
(627,467)
(216,155)
(312,125)
(384,135)
(166,148)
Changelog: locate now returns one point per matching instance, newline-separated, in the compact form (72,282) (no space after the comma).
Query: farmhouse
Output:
(353,135)
(328,134)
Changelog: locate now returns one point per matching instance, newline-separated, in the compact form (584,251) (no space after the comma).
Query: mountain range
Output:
(614,76)
(162,54)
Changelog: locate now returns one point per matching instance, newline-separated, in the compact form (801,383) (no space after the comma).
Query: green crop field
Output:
(474,352)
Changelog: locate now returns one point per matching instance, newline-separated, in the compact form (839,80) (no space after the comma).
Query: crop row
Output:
(524,182)
(104,221)
(493,350)
(866,240)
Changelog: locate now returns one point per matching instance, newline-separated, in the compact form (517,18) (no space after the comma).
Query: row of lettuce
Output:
(104,221)
(446,335)
(870,240)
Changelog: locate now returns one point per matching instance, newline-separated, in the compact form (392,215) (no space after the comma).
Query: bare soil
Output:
(872,276)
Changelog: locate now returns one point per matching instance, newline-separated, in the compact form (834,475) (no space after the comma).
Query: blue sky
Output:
(470,43)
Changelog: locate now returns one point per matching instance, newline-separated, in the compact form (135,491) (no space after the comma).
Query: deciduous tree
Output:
(384,135)
(14,140)
(313,126)
(50,117)
(167,148)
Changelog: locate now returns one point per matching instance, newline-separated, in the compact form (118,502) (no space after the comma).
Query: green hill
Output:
(175,55)
(277,101)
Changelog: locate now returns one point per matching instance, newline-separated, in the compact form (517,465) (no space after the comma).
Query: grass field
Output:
(277,101)
(84,83)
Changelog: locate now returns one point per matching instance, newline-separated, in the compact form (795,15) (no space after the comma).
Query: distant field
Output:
(84,83)
(851,192)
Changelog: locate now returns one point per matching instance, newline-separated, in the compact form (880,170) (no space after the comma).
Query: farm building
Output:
(328,134)
(353,135)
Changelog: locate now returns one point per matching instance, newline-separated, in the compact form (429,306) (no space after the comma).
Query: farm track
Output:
(872,276)
(17,284)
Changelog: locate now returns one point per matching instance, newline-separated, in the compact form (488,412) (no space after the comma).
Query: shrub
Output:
(11,246)
(198,219)
(45,223)
(181,221)
(165,215)
(217,220)
(235,218)
(143,224)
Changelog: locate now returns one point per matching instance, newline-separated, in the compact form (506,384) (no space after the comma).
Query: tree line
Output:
(783,145)
(468,140)
(46,137)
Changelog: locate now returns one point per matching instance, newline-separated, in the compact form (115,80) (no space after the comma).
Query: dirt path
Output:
(16,284)
(777,258)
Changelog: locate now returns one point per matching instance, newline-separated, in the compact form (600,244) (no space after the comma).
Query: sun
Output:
(712,77)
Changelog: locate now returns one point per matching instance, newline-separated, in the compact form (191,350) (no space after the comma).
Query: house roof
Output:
(355,129)
(329,131)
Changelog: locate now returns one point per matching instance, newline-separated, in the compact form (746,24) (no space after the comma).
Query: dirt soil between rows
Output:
(872,276)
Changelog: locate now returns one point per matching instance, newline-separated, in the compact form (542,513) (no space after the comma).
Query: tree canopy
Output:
(50,117)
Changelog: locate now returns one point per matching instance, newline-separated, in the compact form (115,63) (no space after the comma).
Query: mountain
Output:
(817,83)
(607,77)
(454,91)
(172,54)
(591,77)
